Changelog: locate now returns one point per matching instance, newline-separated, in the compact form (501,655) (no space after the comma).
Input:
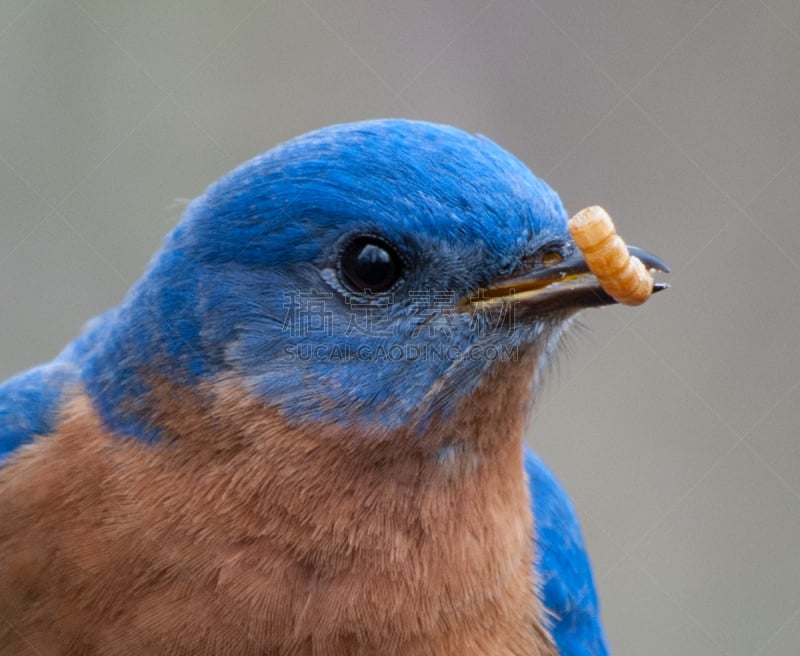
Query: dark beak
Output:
(565,284)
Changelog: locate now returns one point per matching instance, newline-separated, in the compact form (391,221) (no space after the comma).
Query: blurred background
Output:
(673,425)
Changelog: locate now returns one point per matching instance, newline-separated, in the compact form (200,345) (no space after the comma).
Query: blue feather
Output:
(30,402)
(563,566)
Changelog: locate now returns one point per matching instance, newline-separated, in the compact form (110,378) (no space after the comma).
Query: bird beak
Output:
(557,283)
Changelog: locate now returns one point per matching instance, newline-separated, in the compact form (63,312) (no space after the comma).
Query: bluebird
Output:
(301,430)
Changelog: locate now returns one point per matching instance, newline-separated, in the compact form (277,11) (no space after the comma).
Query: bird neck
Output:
(400,536)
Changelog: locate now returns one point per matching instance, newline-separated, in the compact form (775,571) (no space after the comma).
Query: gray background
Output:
(674,424)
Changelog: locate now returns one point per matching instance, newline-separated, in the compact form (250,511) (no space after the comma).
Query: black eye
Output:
(369,264)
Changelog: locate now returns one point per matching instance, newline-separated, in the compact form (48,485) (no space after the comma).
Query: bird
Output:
(301,431)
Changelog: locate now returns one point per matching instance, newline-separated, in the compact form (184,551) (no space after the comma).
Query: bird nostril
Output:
(551,258)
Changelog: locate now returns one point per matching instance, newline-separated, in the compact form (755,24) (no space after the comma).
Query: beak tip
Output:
(660,286)
(650,261)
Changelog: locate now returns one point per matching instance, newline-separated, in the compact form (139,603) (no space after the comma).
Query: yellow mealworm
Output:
(621,275)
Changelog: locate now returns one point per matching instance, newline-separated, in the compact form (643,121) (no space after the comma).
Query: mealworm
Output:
(621,275)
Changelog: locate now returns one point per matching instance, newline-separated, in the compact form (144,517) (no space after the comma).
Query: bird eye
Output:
(369,264)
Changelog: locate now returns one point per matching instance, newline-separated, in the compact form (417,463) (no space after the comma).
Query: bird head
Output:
(371,273)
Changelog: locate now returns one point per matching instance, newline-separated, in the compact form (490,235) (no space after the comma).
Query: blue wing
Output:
(563,566)
(30,401)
